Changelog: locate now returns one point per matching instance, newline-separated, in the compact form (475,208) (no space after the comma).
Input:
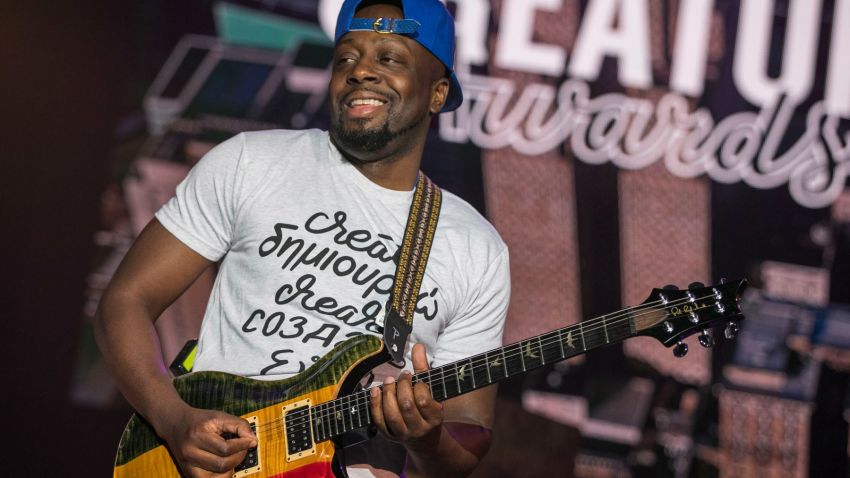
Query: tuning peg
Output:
(723,280)
(696,285)
(731,330)
(670,287)
(706,339)
(680,350)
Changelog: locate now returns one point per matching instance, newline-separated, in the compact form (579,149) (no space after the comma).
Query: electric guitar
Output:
(300,421)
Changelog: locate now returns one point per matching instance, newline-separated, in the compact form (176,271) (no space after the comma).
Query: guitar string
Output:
(361,399)
(331,408)
(546,343)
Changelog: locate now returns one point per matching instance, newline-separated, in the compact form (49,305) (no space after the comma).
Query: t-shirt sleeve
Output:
(480,324)
(202,212)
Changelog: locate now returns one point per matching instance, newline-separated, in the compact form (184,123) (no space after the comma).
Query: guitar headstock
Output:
(671,314)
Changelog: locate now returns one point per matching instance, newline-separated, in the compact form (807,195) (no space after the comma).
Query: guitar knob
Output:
(706,339)
(680,350)
(670,287)
(696,285)
(731,330)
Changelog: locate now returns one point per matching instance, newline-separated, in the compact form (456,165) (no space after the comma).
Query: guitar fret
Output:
(315,424)
(359,413)
(443,379)
(437,386)
(431,385)
(529,358)
(553,350)
(326,421)
(495,360)
(326,432)
(605,329)
(521,358)
(463,373)
(621,329)
(350,411)
(480,371)
(561,342)
(581,333)
(335,417)
(457,378)
(540,348)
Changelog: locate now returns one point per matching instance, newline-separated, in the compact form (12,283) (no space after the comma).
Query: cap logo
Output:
(401,26)
(377,25)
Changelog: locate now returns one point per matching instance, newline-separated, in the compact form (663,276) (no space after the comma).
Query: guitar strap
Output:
(412,258)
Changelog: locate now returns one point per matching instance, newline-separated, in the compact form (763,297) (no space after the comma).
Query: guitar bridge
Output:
(251,463)
(299,431)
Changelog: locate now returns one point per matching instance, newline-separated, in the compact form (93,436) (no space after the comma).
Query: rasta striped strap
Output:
(412,258)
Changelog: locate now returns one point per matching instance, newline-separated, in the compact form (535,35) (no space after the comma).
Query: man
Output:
(307,226)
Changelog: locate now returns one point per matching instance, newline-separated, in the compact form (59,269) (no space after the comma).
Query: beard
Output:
(357,140)
(360,139)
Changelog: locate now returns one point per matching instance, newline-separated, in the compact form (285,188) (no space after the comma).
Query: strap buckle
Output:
(377,25)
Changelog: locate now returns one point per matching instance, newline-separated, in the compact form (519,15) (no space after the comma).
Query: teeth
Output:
(366,102)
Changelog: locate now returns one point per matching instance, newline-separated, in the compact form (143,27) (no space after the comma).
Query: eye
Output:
(344,57)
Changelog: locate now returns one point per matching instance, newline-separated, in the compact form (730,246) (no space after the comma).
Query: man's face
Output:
(382,89)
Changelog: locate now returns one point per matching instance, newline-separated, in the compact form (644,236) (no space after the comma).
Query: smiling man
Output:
(307,227)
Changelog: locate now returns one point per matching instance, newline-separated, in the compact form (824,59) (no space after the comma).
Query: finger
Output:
(241,428)
(215,444)
(407,403)
(420,358)
(238,435)
(429,409)
(392,416)
(376,407)
(213,463)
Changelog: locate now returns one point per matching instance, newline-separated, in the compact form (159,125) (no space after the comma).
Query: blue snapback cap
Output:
(426,21)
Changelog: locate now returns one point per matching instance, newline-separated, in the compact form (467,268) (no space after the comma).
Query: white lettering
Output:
(472,18)
(752,49)
(516,51)
(630,44)
(693,28)
(837,98)
(633,133)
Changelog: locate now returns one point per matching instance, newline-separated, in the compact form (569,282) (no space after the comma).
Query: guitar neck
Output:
(350,412)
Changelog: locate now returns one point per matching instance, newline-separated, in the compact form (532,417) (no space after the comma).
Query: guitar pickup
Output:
(299,431)
(251,463)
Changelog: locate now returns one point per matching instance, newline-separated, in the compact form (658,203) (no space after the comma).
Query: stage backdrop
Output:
(617,145)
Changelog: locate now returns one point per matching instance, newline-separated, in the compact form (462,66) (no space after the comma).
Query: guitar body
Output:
(300,420)
(263,403)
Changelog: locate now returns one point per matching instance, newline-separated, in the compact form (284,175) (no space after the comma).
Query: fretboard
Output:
(351,412)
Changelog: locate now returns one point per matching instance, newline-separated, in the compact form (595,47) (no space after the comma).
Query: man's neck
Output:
(396,176)
(397,169)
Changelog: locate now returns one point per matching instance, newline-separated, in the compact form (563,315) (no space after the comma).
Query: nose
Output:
(363,72)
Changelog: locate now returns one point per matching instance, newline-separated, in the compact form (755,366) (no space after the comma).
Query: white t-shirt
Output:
(307,246)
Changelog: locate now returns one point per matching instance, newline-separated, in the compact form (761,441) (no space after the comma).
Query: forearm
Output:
(125,333)
(454,452)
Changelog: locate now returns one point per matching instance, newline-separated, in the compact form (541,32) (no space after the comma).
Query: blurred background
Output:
(618,146)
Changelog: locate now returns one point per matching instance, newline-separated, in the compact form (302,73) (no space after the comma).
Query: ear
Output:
(439,94)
